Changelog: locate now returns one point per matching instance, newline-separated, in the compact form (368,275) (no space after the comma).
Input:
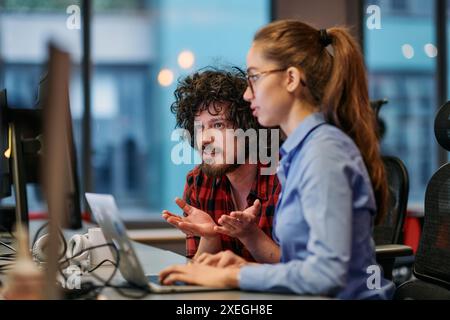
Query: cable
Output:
(106,283)
(36,235)
(61,235)
(118,289)
(63,254)
(7,231)
(144,290)
(87,290)
(5,267)
(7,246)
(89,287)
(8,257)
(100,264)
(108,244)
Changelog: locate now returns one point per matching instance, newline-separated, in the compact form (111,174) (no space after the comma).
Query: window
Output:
(403,8)
(25,29)
(399,5)
(401,62)
(401,59)
(132,123)
(134,43)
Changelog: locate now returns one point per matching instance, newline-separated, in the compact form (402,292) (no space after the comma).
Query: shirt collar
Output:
(259,187)
(301,132)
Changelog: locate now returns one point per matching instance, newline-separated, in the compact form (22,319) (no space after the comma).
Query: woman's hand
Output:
(201,275)
(222,259)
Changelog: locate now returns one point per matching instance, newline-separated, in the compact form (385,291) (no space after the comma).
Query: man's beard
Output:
(218,170)
(221,169)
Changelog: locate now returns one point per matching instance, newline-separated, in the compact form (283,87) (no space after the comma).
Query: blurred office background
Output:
(139,48)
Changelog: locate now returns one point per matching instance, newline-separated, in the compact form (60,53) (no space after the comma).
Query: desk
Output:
(153,260)
(168,238)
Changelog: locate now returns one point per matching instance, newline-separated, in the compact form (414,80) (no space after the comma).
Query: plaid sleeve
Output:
(192,242)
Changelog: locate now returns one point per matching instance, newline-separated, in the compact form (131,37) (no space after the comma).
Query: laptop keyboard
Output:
(155,280)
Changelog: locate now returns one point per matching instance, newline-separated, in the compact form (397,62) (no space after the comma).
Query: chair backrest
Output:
(390,231)
(433,255)
(376,106)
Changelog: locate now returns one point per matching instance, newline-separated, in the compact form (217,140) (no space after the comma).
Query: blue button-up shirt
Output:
(323,220)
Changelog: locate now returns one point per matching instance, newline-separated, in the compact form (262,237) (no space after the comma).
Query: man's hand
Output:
(222,259)
(196,222)
(239,223)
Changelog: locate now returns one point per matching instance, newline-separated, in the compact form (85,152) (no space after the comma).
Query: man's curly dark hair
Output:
(211,89)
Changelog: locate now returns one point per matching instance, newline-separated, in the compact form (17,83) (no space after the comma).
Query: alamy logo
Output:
(374,280)
(374,20)
(251,145)
(73,21)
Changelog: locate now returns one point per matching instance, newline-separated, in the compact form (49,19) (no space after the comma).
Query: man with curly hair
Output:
(227,205)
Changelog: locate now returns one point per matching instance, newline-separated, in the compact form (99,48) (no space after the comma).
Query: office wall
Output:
(322,13)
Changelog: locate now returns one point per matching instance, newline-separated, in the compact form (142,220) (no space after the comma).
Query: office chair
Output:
(388,235)
(432,266)
(390,231)
(376,106)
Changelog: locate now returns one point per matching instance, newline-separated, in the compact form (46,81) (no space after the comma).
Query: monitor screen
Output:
(30,151)
(5,178)
(60,164)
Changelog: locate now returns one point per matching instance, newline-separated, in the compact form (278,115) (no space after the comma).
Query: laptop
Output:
(106,213)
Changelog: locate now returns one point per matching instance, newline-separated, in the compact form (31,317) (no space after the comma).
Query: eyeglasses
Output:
(252,78)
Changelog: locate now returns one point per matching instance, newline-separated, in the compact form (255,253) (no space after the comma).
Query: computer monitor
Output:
(18,129)
(7,212)
(58,137)
(58,171)
(5,178)
(22,129)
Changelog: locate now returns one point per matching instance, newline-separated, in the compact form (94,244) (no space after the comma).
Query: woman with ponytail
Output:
(312,83)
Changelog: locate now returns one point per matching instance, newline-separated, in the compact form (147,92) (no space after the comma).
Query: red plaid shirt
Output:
(213,195)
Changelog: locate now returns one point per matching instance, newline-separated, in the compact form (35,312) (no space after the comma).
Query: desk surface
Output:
(153,260)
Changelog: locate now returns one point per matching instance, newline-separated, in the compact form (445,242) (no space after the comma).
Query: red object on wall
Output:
(412,232)
(85,216)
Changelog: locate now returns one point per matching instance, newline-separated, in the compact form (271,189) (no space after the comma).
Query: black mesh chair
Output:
(388,235)
(432,266)
(376,106)
(390,231)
